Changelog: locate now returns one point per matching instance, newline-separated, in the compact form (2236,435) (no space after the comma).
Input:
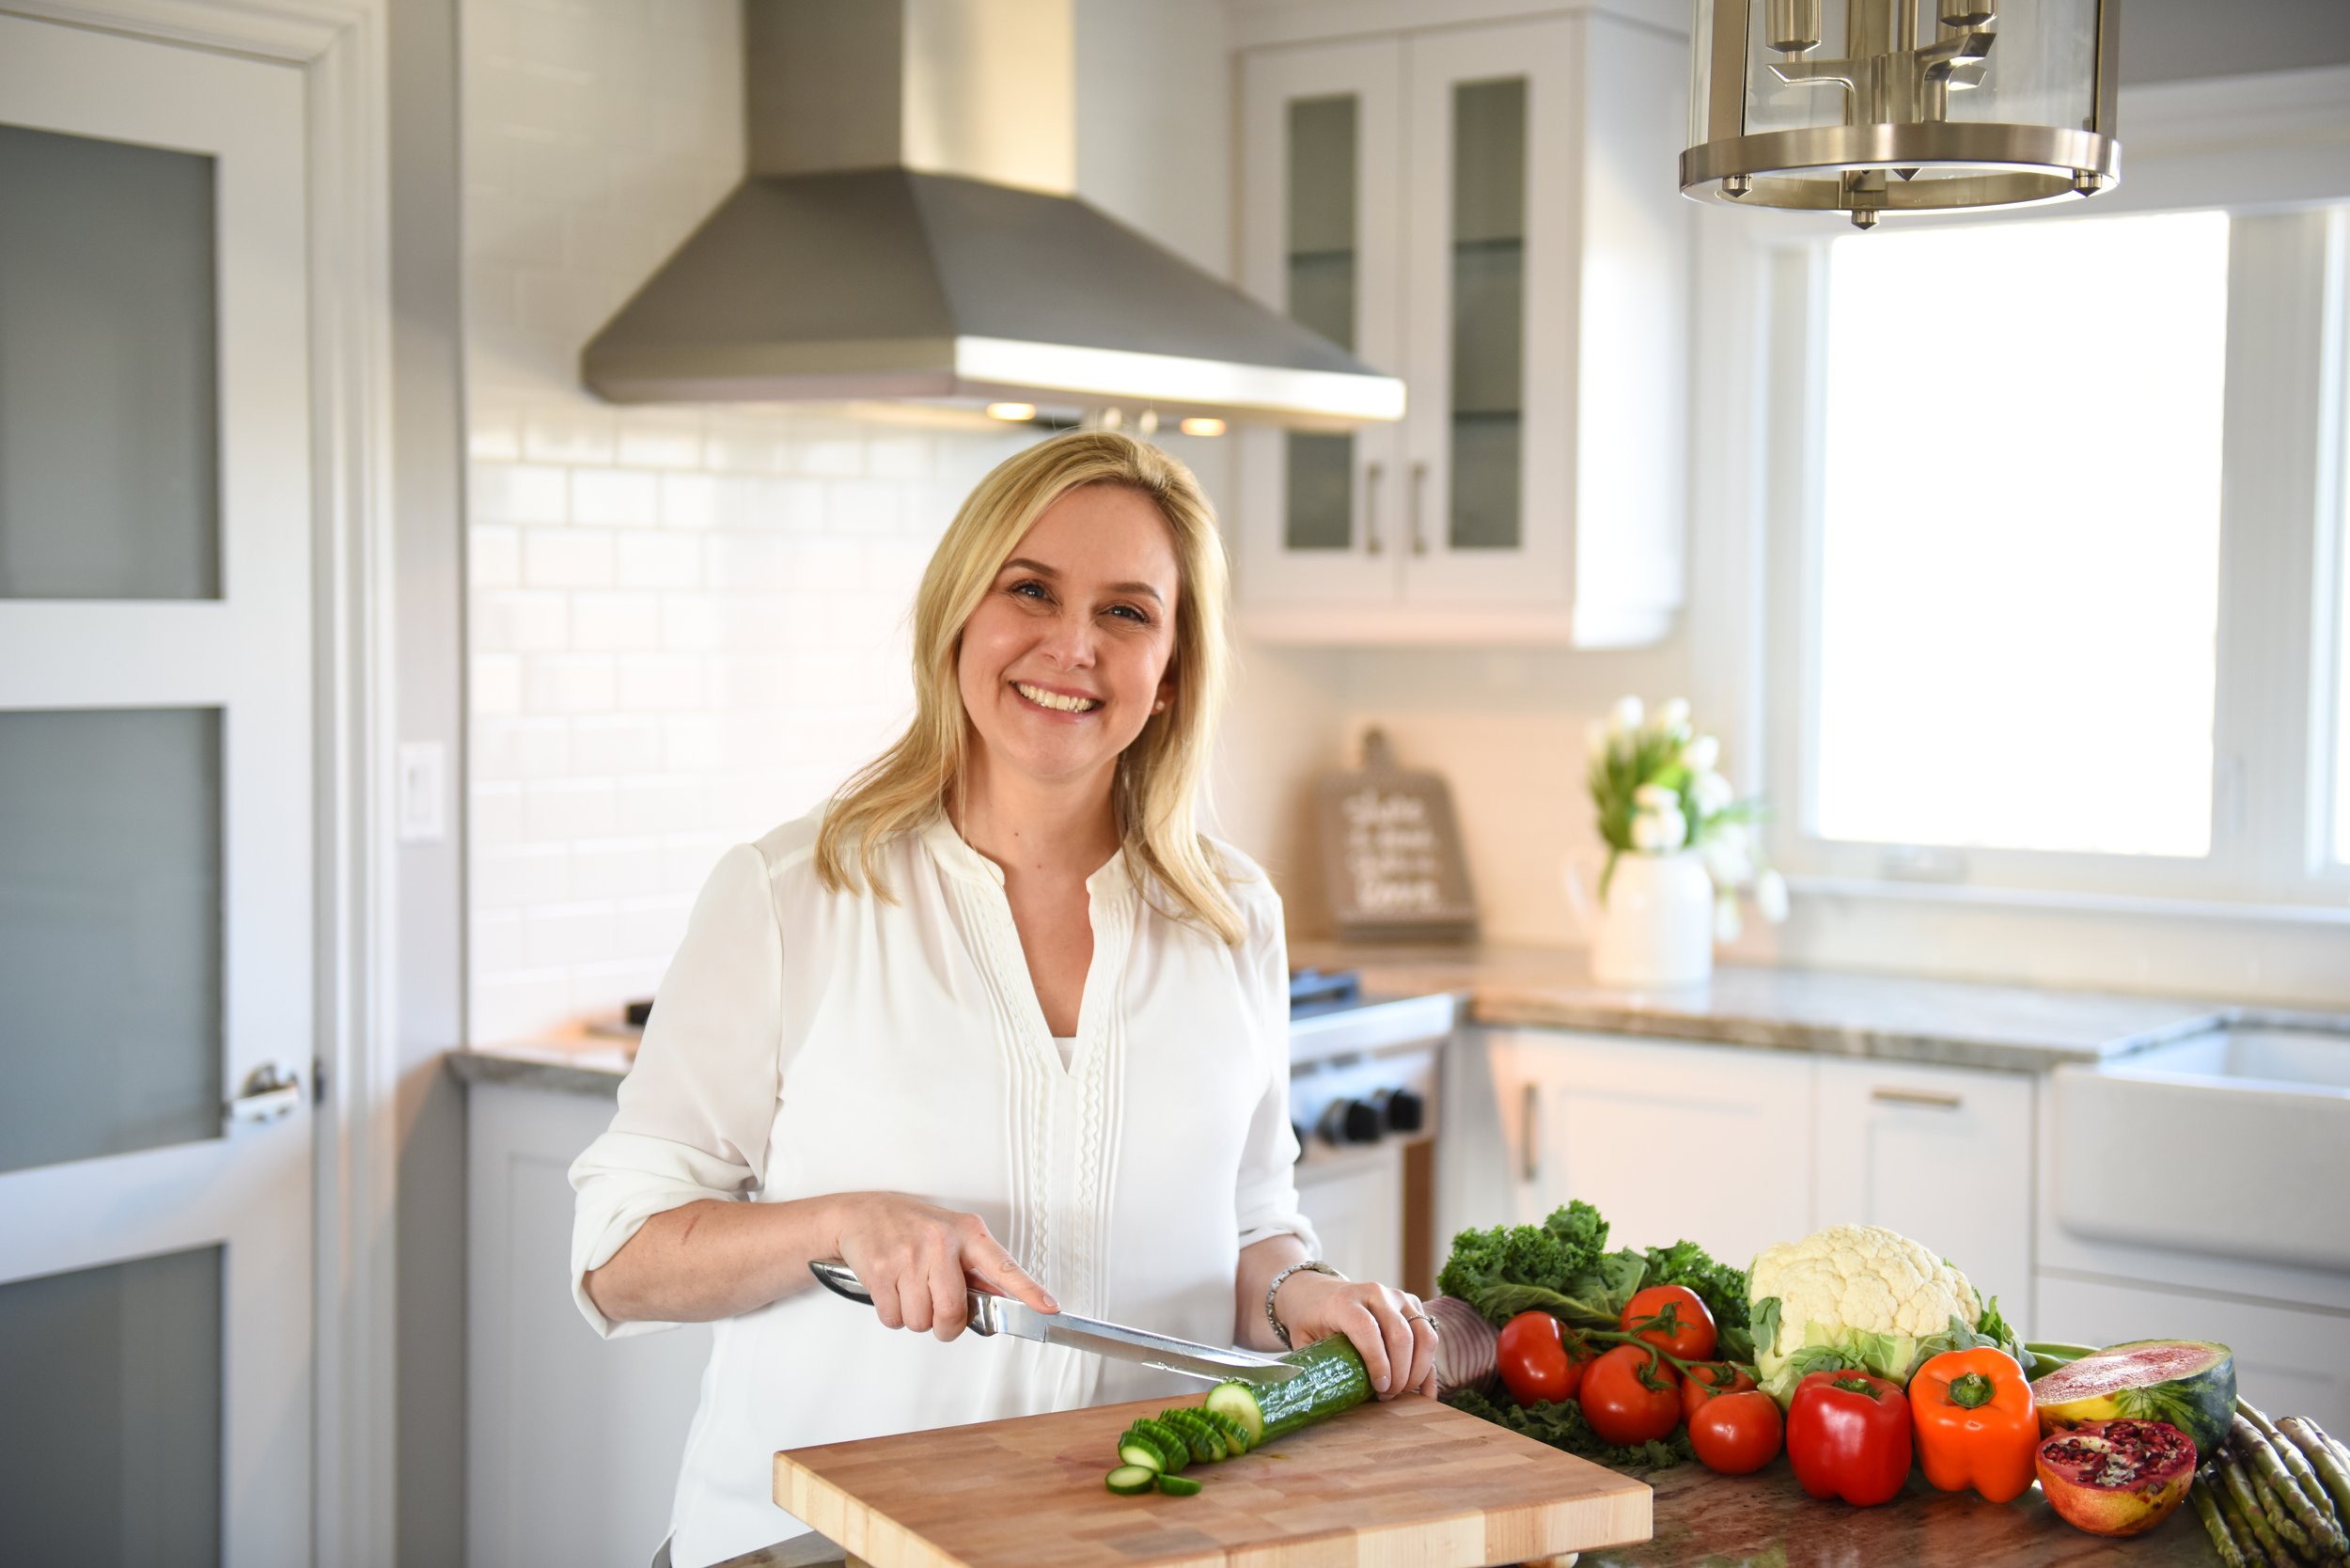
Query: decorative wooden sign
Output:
(1391,853)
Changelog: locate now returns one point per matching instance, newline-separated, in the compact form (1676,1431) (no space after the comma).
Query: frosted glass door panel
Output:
(1488,313)
(1323,240)
(109,416)
(111,1379)
(110,932)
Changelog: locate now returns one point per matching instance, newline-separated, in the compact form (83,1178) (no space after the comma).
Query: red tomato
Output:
(1848,1436)
(1736,1434)
(1631,1395)
(1672,1318)
(1539,1363)
(1708,1379)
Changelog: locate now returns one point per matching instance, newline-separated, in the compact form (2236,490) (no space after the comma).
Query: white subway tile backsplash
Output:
(569,433)
(614,497)
(519,876)
(494,815)
(687,858)
(661,682)
(570,934)
(494,555)
(510,621)
(496,684)
(656,925)
(567,557)
(659,806)
(495,939)
(693,743)
(623,623)
(518,749)
(737,444)
(795,506)
(517,1005)
(750,563)
(661,438)
(614,743)
(569,809)
(568,683)
(655,560)
(693,623)
(517,493)
(616,869)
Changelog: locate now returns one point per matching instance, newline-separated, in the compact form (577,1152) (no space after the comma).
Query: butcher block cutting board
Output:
(1409,1484)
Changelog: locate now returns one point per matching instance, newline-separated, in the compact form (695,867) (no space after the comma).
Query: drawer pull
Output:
(1940,1099)
(1531,1134)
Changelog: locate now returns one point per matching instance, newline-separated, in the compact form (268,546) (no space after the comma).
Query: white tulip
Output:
(1725,858)
(1595,737)
(1701,755)
(1727,924)
(1672,717)
(1711,792)
(1624,717)
(1655,797)
(1770,896)
(1659,832)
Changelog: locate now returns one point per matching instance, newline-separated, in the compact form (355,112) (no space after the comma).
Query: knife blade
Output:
(1000,1314)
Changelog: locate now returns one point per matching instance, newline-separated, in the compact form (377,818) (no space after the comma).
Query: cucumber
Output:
(1171,1445)
(1332,1379)
(1137,1451)
(1179,1486)
(1236,1434)
(1207,1443)
(1129,1480)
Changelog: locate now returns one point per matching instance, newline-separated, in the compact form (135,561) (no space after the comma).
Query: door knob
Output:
(271,1090)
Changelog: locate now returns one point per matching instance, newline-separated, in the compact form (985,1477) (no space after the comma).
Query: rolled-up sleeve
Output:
(1267,1199)
(697,1107)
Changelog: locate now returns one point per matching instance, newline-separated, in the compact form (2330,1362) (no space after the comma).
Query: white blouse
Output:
(807,1042)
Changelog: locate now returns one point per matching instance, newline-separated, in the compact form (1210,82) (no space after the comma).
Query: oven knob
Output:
(1362,1122)
(1407,1112)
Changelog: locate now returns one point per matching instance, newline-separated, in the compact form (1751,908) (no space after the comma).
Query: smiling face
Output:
(1072,643)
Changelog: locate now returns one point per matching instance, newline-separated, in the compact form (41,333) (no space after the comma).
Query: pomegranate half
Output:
(2116,1478)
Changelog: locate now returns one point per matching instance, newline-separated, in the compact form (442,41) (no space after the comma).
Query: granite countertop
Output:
(1892,1017)
(1888,1017)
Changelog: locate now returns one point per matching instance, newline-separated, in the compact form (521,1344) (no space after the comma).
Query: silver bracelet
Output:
(1280,1330)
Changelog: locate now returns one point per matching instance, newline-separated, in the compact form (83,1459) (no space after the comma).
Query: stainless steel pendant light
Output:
(1874,106)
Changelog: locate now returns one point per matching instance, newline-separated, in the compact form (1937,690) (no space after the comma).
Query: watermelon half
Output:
(2188,1383)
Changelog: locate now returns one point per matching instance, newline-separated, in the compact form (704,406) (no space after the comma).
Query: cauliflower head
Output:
(1854,1297)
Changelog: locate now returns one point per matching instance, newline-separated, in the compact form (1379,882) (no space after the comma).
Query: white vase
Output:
(1656,924)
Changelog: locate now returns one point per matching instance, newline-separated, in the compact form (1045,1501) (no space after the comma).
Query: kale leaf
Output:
(1562,1426)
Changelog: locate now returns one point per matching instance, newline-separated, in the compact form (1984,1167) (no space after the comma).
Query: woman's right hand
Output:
(917,1261)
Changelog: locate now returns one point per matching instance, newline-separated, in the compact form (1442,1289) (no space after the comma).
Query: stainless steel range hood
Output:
(906,230)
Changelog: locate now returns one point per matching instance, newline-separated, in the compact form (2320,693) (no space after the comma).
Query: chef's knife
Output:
(1001,1314)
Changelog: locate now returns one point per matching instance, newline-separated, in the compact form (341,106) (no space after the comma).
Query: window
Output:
(2060,553)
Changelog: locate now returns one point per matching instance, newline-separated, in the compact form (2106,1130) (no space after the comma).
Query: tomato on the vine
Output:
(1631,1395)
(1537,1360)
(1672,1318)
(1736,1434)
(1706,1379)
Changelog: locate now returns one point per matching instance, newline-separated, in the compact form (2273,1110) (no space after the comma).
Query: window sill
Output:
(2137,906)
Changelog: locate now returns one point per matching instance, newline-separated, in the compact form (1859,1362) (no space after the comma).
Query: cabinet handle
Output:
(1419,486)
(1531,1134)
(1372,471)
(1938,1098)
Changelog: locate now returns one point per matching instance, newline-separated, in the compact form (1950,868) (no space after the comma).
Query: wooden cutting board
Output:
(1408,1482)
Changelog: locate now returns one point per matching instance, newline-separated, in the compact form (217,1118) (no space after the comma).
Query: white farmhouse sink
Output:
(2233,1142)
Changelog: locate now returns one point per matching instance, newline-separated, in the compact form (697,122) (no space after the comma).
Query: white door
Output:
(156,777)
(1490,297)
(1321,201)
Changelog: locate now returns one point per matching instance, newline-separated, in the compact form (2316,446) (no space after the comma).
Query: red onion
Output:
(1464,1345)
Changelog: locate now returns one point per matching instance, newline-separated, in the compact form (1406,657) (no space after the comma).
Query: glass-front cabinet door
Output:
(1321,198)
(156,782)
(1488,291)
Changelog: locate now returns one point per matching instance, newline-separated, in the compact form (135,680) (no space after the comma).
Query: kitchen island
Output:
(1703,1520)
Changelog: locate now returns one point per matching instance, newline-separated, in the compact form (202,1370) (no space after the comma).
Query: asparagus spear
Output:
(2222,1539)
(2251,1522)
(2297,1463)
(2308,1528)
(2325,1457)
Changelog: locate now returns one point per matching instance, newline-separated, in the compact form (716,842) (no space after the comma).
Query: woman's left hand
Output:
(1389,1327)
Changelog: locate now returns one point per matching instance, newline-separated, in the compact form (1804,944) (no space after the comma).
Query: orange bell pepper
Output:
(1975,1423)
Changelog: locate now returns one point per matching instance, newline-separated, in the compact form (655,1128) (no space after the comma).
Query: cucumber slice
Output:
(1236,1434)
(1206,1447)
(1137,1451)
(1173,1447)
(1179,1486)
(1333,1380)
(1129,1480)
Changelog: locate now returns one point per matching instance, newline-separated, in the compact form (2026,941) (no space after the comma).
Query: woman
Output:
(997,1015)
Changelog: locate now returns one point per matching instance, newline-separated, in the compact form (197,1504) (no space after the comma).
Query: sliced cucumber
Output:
(1171,1445)
(1129,1480)
(1179,1486)
(1332,1379)
(1236,1434)
(1139,1451)
(1207,1447)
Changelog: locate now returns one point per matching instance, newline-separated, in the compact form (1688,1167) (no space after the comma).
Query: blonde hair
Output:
(1160,776)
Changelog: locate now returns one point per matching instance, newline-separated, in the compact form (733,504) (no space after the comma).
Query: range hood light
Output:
(1204,427)
(1014,412)
(1913,109)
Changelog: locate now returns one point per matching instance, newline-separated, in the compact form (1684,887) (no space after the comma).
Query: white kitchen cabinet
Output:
(2288,1361)
(1943,1154)
(1354,1200)
(1668,1140)
(1490,212)
(572,1442)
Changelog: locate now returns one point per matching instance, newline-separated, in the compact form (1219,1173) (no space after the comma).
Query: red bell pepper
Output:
(1976,1422)
(1848,1436)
